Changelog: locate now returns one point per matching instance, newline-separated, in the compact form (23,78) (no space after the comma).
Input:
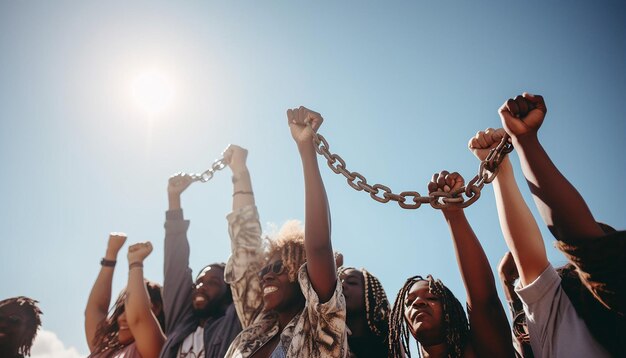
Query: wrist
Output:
(135,265)
(107,262)
(525,140)
(110,255)
(173,201)
(239,174)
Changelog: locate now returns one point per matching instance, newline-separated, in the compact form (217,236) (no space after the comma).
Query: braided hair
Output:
(33,317)
(376,303)
(455,325)
(107,333)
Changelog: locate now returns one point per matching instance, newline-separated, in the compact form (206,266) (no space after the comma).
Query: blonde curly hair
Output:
(289,244)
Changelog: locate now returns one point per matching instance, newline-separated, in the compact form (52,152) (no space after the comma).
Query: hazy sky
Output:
(402,86)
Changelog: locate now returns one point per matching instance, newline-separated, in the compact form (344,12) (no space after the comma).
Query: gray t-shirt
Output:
(555,328)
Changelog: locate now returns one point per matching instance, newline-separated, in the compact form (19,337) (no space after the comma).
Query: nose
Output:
(418,302)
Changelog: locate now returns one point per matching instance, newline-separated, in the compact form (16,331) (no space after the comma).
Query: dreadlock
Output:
(376,303)
(33,323)
(290,245)
(107,333)
(455,325)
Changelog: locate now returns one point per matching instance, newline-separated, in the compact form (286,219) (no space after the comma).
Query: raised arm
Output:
(177,282)
(319,251)
(561,206)
(100,296)
(489,329)
(142,323)
(519,228)
(246,245)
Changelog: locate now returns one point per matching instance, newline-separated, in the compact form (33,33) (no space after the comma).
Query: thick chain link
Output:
(487,172)
(207,175)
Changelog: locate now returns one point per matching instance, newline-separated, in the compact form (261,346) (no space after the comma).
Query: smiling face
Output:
(279,293)
(209,291)
(353,285)
(423,313)
(125,336)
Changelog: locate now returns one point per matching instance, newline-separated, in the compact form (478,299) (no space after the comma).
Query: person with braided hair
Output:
(434,317)
(20,318)
(367,313)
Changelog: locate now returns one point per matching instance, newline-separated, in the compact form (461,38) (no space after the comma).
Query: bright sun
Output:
(152,91)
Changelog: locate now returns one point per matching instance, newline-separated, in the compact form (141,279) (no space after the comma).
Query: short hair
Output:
(107,332)
(289,243)
(25,342)
(229,294)
(455,325)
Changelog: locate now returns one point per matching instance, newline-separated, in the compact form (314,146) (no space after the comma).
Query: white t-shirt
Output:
(193,345)
(555,328)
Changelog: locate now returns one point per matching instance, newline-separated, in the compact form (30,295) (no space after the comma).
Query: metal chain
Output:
(487,172)
(207,175)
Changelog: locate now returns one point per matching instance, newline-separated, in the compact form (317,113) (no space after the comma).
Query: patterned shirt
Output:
(318,331)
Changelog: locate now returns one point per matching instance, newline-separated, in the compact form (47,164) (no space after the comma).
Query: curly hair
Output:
(377,307)
(107,333)
(33,321)
(455,325)
(289,243)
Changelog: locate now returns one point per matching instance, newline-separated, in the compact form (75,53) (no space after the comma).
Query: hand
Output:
(338,259)
(138,252)
(297,119)
(446,182)
(178,183)
(235,156)
(508,270)
(482,143)
(523,115)
(116,241)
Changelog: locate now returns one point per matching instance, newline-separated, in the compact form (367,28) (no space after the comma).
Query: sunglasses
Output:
(277,268)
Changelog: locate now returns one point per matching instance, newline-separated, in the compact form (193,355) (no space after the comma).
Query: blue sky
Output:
(402,86)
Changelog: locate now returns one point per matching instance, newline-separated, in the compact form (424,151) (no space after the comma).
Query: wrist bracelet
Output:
(107,263)
(135,265)
(243,192)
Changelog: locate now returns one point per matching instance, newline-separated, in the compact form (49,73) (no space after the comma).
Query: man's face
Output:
(209,291)
(14,320)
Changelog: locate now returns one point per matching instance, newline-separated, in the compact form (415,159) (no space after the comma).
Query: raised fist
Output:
(298,118)
(445,181)
(523,115)
(116,241)
(138,252)
(482,143)
(235,156)
(178,183)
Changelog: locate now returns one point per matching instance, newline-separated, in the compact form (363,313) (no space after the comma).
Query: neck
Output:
(357,324)
(434,350)
(285,316)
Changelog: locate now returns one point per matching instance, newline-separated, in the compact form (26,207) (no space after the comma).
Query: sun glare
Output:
(152,91)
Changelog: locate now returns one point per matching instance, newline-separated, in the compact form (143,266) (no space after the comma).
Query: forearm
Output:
(473,264)
(242,188)
(141,321)
(320,258)
(99,300)
(561,206)
(519,228)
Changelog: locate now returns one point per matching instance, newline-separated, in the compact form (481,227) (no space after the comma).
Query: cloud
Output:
(48,345)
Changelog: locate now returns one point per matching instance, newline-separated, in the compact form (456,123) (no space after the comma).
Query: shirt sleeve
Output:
(327,320)
(245,262)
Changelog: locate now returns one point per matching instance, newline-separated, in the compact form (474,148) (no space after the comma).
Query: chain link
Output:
(207,175)
(487,172)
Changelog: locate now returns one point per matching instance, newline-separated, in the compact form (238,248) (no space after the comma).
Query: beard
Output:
(211,308)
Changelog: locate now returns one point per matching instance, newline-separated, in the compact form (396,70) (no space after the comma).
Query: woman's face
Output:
(279,293)
(125,336)
(353,285)
(423,312)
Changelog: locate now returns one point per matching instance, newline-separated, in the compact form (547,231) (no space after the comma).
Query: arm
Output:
(100,296)
(319,251)
(489,328)
(141,320)
(559,203)
(245,233)
(177,282)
